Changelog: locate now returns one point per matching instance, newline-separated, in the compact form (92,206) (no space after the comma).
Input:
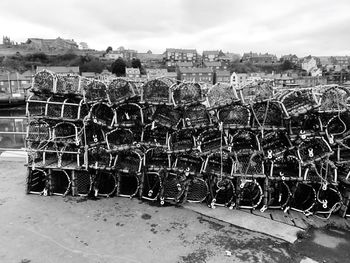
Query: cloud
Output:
(276,26)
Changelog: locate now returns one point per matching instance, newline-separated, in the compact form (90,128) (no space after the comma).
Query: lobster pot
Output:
(255,92)
(196,116)
(60,182)
(243,139)
(40,155)
(38,130)
(181,141)
(221,95)
(95,134)
(157,91)
(287,167)
(156,159)
(36,105)
(102,114)
(128,184)
(44,81)
(211,140)
(343,150)
(82,183)
(151,185)
(189,163)
(329,199)
(304,125)
(68,84)
(94,90)
(334,99)
(234,116)
(129,161)
(313,149)
(219,164)
(197,191)
(250,192)
(167,116)
(154,136)
(303,197)
(119,139)
(99,158)
(171,186)
(322,171)
(267,115)
(274,143)
(278,194)
(298,102)
(74,109)
(70,156)
(37,181)
(105,183)
(248,163)
(223,191)
(129,115)
(67,132)
(119,90)
(187,93)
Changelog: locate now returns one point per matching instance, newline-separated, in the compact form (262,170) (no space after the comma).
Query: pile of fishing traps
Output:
(254,147)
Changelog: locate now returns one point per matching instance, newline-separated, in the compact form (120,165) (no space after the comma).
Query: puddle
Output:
(325,245)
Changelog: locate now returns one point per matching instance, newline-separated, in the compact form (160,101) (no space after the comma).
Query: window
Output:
(13,82)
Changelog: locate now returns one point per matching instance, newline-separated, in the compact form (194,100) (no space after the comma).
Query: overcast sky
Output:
(302,27)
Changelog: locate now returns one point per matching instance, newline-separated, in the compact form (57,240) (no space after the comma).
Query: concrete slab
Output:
(13,156)
(248,221)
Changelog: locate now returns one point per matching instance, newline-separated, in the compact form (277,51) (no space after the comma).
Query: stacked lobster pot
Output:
(173,158)
(314,118)
(56,134)
(251,147)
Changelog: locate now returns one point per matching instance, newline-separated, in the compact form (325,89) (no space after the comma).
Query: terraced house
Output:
(174,55)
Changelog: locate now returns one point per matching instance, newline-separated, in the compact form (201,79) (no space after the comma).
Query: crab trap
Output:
(157,91)
(222,191)
(156,159)
(234,116)
(187,93)
(120,90)
(221,95)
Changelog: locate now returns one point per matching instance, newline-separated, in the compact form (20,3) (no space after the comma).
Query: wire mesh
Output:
(187,93)
(120,90)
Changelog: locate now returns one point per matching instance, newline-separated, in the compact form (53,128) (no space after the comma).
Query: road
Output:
(55,229)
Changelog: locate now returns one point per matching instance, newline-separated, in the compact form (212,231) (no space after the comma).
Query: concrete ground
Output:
(68,229)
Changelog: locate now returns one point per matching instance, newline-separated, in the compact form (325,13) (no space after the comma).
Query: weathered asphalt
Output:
(69,229)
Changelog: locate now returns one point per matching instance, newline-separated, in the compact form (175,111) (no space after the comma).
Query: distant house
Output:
(174,55)
(210,55)
(309,64)
(132,73)
(223,76)
(59,69)
(13,85)
(126,54)
(89,75)
(196,74)
(149,57)
(291,58)
(342,61)
(261,59)
(184,64)
(153,73)
(51,44)
(229,57)
(238,79)
(215,65)
(310,81)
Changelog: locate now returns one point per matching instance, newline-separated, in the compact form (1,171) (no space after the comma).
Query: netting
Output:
(157,91)
(221,95)
(187,93)
(44,81)
(68,84)
(120,90)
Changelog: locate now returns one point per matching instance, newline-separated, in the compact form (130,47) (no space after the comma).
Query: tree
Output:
(136,63)
(286,65)
(118,67)
(93,65)
(109,49)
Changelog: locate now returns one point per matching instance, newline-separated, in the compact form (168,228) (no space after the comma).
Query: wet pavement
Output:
(70,229)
